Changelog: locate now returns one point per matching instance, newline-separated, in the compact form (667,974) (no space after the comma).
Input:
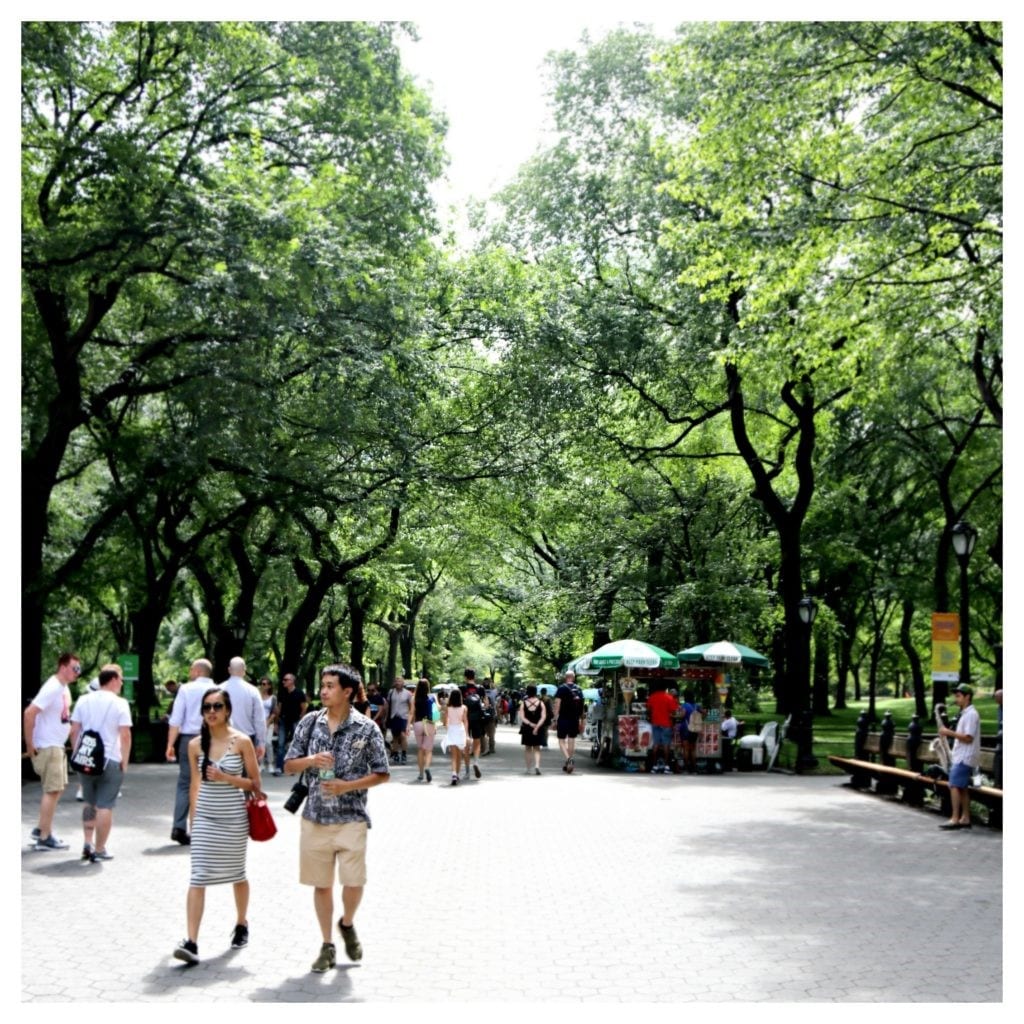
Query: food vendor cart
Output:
(616,725)
(712,663)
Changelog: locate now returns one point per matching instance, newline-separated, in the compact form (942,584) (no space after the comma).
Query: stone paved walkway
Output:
(595,888)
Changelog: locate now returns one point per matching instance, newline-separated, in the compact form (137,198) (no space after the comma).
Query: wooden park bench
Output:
(909,784)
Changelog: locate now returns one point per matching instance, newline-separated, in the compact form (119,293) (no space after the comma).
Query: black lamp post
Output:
(965,537)
(808,610)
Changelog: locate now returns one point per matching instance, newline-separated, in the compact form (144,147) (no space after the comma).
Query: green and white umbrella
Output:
(627,654)
(725,652)
(576,666)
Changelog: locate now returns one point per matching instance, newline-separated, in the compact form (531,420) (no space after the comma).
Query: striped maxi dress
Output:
(220,831)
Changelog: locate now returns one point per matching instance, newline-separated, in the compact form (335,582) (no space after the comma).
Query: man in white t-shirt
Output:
(108,713)
(966,751)
(46,725)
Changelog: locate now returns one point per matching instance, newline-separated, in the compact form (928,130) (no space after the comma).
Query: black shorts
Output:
(567,728)
(476,728)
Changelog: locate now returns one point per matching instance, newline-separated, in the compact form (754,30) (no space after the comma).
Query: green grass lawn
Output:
(833,734)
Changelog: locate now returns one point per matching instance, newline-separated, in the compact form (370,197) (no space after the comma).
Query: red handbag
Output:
(261,821)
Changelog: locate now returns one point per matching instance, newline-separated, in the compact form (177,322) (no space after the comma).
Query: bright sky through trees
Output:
(485,70)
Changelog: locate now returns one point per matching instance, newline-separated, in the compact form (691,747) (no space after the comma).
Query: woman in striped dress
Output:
(217,818)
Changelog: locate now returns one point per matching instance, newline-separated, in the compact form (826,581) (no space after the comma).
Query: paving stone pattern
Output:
(596,887)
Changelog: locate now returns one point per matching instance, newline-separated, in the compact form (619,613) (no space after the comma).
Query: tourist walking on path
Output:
(217,817)
(106,712)
(490,697)
(424,729)
(270,710)
(291,706)
(399,702)
(475,722)
(457,730)
(183,726)
(46,724)
(248,715)
(531,730)
(568,712)
(342,754)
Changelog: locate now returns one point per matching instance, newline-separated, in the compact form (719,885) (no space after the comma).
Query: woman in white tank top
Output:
(455,741)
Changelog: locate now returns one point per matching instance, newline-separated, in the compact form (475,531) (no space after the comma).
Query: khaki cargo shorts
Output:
(51,766)
(320,846)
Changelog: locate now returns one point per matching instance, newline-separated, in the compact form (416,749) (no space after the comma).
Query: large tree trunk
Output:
(296,653)
(145,634)
(358,607)
(914,659)
(787,516)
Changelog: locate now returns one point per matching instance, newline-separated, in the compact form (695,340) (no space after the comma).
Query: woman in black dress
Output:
(531,732)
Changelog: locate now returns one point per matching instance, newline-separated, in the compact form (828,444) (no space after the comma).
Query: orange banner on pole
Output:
(945,647)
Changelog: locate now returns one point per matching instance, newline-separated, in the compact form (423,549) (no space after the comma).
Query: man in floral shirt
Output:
(342,755)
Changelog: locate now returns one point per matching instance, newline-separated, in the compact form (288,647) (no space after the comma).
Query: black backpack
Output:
(89,757)
(474,707)
(576,711)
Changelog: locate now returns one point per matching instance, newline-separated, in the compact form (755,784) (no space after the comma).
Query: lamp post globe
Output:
(965,536)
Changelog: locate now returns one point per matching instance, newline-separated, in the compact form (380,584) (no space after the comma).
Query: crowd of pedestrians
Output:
(223,736)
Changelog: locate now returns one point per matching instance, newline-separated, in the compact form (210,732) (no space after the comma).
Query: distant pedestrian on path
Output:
(46,724)
(490,699)
(270,714)
(292,705)
(107,712)
(531,730)
(183,727)
(217,817)
(568,712)
(457,731)
(476,720)
(399,701)
(424,729)
(966,752)
(342,754)
(247,713)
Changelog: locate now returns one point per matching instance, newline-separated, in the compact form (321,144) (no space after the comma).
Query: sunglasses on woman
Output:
(212,707)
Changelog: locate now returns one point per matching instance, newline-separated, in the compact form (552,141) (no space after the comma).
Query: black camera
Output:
(299,792)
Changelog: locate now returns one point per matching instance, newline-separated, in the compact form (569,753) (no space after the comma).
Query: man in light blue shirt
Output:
(183,725)
(247,712)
